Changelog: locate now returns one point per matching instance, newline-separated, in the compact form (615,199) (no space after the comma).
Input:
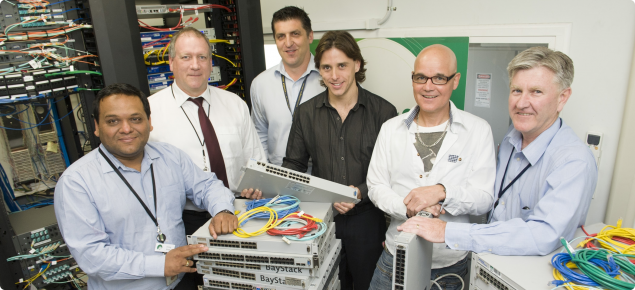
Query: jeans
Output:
(382,278)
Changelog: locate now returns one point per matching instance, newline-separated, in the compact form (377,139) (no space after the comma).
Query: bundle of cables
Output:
(614,238)
(312,228)
(283,205)
(599,268)
(271,209)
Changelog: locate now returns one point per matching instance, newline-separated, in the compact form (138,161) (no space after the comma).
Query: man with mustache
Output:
(119,207)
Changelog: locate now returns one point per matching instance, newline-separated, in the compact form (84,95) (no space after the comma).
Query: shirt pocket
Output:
(229,141)
(458,170)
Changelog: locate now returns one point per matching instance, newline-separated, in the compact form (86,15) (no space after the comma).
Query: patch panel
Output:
(275,180)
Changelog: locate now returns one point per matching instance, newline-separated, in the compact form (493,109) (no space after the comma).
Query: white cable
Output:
(447,275)
(387,14)
(435,283)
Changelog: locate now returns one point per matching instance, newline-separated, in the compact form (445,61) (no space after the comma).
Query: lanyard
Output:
(194,128)
(286,96)
(502,191)
(160,236)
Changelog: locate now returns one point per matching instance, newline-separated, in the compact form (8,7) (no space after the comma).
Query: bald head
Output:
(439,54)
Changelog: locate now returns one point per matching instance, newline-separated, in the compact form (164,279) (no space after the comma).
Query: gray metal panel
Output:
(118,42)
(516,272)
(412,261)
(275,180)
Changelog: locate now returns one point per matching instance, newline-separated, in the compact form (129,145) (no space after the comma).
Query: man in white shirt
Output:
(278,91)
(434,154)
(176,120)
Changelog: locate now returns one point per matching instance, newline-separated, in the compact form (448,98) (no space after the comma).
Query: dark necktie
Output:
(216,161)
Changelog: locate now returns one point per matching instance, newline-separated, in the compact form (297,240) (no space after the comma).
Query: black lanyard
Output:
(502,191)
(188,118)
(286,96)
(160,236)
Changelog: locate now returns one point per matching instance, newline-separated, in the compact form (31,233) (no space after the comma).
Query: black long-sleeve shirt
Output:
(340,152)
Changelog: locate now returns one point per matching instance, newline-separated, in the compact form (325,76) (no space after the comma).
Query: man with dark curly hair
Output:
(337,129)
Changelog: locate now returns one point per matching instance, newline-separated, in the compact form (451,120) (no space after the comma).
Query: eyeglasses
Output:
(437,80)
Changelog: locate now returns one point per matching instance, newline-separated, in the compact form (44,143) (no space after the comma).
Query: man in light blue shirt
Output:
(117,204)
(545,177)
(278,91)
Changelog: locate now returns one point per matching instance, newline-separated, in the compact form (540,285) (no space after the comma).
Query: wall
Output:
(598,36)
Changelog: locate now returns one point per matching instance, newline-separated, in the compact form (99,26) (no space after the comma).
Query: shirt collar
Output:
(181,97)
(323,99)
(149,154)
(310,68)
(535,149)
(454,117)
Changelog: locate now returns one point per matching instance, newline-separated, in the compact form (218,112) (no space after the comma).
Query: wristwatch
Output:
(225,211)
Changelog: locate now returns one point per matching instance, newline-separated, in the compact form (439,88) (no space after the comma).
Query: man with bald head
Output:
(435,158)
(546,175)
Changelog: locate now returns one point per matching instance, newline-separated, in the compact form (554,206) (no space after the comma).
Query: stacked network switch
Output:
(269,262)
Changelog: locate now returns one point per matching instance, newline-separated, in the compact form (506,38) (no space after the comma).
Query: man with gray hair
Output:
(545,177)
(211,125)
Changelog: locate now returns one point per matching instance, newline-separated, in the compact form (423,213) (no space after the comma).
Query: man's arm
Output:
(85,235)
(378,178)
(261,124)
(559,212)
(475,196)
(296,157)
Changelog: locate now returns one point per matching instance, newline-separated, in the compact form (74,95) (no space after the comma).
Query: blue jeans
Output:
(382,278)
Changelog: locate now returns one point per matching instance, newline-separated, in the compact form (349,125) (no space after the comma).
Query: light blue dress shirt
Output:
(269,109)
(549,201)
(108,232)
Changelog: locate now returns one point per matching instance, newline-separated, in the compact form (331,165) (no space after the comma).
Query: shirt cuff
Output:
(457,236)
(449,204)
(155,265)
(221,206)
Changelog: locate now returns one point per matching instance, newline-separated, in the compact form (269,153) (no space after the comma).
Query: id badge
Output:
(163,248)
(170,280)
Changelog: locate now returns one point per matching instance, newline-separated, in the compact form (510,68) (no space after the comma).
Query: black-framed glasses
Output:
(437,80)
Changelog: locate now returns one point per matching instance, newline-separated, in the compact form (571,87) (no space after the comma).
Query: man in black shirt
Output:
(337,129)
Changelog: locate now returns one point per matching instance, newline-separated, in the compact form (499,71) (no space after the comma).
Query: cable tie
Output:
(301,213)
(32,251)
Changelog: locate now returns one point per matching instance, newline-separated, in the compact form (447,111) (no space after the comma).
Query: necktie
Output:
(216,161)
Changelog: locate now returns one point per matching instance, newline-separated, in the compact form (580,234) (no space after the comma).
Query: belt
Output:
(197,213)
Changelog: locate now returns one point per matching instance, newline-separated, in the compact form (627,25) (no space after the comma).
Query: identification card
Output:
(163,248)
(170,280)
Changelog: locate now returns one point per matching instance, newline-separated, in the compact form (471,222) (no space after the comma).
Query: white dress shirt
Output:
(229,115)
(465,165)
(270,112)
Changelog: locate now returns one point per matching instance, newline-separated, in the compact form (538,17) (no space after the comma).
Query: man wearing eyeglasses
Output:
(435,158)
(546,175)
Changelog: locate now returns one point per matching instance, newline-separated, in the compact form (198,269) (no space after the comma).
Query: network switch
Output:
(267,243)
(278,258)
(275,180)
(411,262)
(203,266)
(269,281)
(494,272)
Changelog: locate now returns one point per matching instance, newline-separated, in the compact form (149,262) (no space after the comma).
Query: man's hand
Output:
(344,207)
(435,210)
(222,223)
(423,197)
(251,193)
(176,260)
(430,229)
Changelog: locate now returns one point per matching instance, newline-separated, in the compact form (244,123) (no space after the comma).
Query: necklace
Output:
(433,159)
